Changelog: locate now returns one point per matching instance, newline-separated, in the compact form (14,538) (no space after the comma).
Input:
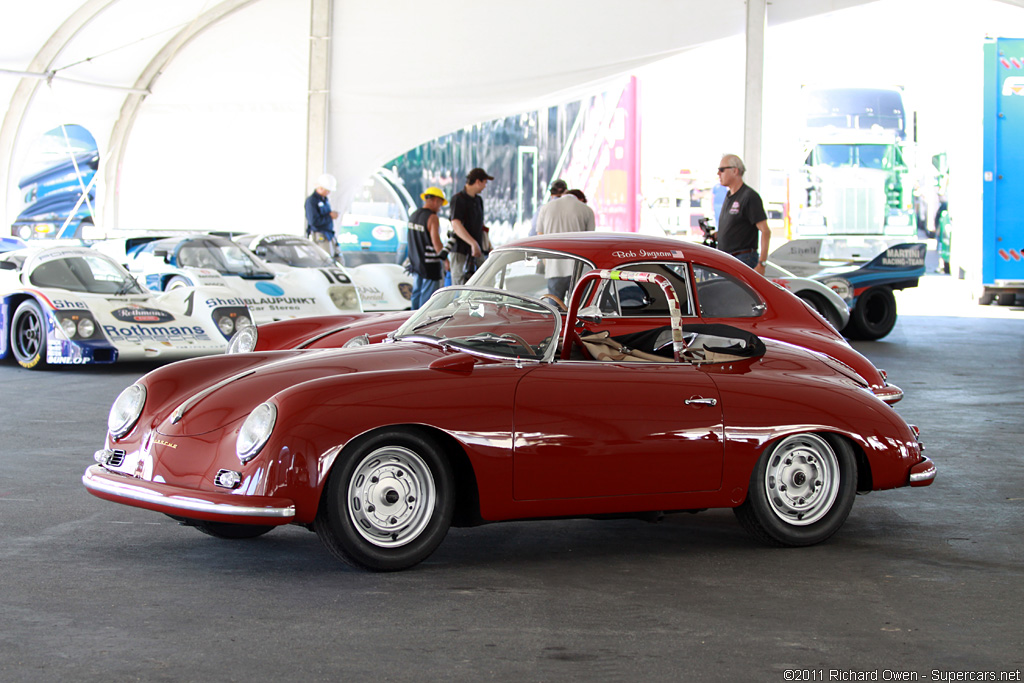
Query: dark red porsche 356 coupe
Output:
(485,406)
(712,287)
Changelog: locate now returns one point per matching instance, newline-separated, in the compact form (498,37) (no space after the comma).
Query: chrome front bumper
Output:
(176,501)
(923,473)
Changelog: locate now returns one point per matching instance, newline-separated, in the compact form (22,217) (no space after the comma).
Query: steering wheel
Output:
(522,342)
(558,302)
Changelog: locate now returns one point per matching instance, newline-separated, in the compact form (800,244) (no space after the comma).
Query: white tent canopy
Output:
(213,114)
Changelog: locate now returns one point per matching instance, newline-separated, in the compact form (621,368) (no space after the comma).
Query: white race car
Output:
(827,303)
(382,286)
(70,305)
(240,278)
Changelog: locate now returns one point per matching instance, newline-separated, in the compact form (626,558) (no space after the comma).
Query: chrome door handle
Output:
(701,401)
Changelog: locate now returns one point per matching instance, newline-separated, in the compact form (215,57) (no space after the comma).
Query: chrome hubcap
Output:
(391,496)
(802,479)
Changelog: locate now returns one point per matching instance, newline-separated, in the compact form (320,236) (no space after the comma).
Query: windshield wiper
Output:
(428,323)
(126,286)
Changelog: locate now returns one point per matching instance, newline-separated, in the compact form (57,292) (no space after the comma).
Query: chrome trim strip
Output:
(180,411)
(131,492)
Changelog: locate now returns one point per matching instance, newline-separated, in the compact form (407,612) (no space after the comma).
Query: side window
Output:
(723,296)
(644,299)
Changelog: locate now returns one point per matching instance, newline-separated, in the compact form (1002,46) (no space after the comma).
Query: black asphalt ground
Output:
(920,584)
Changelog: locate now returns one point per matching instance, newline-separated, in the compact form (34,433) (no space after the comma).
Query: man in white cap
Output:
(320,217)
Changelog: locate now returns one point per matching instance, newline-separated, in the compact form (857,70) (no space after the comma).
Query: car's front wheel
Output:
(28,335)
(801,490)
(388,503)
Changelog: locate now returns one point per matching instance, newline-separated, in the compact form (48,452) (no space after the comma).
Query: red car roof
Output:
(614,249)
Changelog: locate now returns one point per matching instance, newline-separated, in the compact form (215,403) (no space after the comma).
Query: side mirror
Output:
(161,253)
(590,314)
(8,265)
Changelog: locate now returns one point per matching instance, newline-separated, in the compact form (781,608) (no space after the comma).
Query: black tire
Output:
(818,303)
(176,281)
(228,530)
(28,335)
(388,503)
(874,314)
(1006,298)
(801,490)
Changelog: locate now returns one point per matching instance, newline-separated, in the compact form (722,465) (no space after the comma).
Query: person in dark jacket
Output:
(319,215)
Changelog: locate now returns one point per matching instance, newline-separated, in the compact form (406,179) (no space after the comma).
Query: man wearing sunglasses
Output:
(742,217)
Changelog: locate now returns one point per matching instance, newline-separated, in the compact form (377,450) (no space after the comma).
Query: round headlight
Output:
(69,327)
(86,327)
(226,325)
(242,322)
(255,431)
(344,298)
(244,340)
(126,410)
(361,340)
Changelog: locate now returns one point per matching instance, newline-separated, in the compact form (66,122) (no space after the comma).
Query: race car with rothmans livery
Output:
(239,276)
(382,286)
(71,305)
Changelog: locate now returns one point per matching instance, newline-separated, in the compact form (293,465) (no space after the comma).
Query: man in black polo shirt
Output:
(467,215)
(742,217)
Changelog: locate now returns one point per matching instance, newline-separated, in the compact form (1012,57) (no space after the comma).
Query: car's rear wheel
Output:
(176,282)
(388,503)
(28,335)
(874,314)
(801,490)
(818,303)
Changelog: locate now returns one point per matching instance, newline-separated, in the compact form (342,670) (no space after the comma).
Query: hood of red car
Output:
(230,396)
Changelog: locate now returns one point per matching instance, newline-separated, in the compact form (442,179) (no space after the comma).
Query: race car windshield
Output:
(223,256)
(296,253)
(85,273)
(487,323)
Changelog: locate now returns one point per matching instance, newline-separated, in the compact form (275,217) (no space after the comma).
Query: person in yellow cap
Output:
(426,255)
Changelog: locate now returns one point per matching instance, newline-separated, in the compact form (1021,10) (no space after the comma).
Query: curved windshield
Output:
(487,323)
(223,256)
(92,273)
(530,272)
(295,252)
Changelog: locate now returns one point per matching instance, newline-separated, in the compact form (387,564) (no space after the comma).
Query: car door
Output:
(589,428)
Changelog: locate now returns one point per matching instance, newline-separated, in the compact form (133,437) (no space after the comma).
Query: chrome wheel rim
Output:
(802,479)
(391,496)
(28,335)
